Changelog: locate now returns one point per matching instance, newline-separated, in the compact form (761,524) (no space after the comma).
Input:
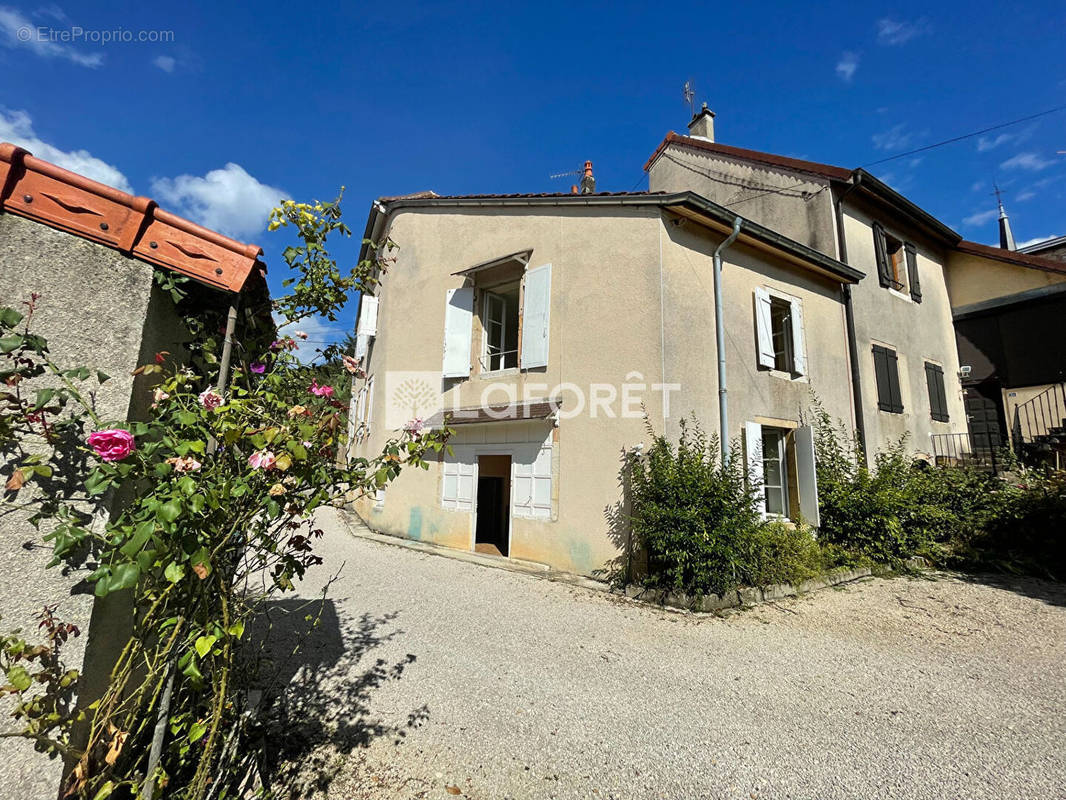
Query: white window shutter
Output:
(807,475)
(799,351)
(535,317)
(764,329)
(465,499)
(368,316)
(542,484)
(362,342)
(521,489)
(753,451)
(450,484)
(458,319)
(369,402)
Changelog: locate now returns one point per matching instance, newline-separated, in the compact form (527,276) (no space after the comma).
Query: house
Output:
(1005,301)
(1052,248)
(91,252)
(546,326)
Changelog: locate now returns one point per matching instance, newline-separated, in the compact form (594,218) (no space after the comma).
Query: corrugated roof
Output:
(136,226)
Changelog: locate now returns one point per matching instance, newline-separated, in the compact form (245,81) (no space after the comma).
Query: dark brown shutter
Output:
(884,269)
(912,272)
(886,374)
(938,401)
(893,383)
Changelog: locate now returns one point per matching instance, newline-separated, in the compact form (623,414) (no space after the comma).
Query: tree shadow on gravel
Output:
(1048,591)
(315,709)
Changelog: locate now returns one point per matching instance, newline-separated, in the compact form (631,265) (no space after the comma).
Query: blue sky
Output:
(246,105)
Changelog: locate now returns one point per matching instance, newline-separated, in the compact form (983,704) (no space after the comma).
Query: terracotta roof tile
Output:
(797,164)
(44,192)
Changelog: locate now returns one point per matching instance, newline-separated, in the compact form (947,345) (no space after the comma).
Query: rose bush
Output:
(209,504)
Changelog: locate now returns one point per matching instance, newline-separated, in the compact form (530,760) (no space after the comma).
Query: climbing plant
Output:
(188,520)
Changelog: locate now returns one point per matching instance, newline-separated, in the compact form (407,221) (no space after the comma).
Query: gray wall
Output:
(95,307)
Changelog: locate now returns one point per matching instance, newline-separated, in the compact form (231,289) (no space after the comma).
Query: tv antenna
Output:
(688,92)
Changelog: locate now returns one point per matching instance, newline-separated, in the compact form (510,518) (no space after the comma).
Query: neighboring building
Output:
(90,251)
(1052,248)
(905,365)
(1008,308)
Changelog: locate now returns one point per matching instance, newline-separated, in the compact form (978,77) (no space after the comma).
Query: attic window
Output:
(896,262)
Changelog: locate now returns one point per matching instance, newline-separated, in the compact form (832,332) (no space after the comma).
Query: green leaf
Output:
(9,343)
(123,576)
(187,418)
(187,485)
(19,678)
(191,670)
(197,731)
(102,377)
(141,535)
(44,397)
(174,572)
(169,511)
(105,791)
(196,503)
(204,644)
(9,317)
(236,630)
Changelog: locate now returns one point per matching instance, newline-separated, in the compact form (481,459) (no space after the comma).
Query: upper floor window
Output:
(779,330)
(499,326)
(499,289)
(897,263)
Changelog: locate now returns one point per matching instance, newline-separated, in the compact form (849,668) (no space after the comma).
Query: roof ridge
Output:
(45,192)
(787,162)
(1012,256)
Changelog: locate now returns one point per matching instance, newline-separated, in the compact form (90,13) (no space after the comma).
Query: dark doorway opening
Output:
(492,534)
(984,414)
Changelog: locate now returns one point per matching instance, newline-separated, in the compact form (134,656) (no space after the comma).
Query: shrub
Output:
(783,553)
(693,515)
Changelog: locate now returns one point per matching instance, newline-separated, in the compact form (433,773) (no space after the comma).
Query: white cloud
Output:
(846,66)
(981,217)
(895,138)
(1030,161)
(17,127)
(977,186)
(1038,240)
(893,32)
(1025,195)
(986,143)
(228,200)
(17,30)
(165,63)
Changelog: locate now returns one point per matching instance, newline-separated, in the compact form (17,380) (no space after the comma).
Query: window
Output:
(774,467)
(897,263)
(886,373)
(780,461)
(499,324)
(938,402)
(779,330)
(508,339)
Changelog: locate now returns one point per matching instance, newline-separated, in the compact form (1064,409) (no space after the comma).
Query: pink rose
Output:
(415,426)
(301,334)
(353,367)
(112,445)
(321,391)
(261,459)
(210,399)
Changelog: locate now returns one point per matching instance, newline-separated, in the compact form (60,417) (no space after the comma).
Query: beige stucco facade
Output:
(800,204)
(631,310)
(974,279)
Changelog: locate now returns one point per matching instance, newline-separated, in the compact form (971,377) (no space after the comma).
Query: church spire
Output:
(1006,236)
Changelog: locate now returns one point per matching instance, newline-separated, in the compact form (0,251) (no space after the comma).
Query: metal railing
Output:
(1040,416)
(498,359)
(980,450)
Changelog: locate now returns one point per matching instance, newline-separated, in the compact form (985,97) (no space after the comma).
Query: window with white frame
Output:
(781,468)
(499,325)
(779,332)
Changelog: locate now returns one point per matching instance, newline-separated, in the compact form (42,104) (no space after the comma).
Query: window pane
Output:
(775,501)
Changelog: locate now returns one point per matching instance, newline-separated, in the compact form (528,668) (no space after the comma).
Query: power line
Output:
(965,136)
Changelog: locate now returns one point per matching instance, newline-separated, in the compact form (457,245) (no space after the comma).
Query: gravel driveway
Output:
(443,677)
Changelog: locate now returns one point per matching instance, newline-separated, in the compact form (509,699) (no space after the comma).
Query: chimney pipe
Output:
(702,124)
(588,183)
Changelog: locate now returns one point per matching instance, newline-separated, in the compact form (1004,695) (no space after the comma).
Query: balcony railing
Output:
(495,360)
(1040,417)
(967,449)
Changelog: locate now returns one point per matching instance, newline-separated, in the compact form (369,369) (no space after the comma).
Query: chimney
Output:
(702,125)
(588,183)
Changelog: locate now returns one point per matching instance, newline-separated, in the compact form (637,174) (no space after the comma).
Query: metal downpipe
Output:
(719,336)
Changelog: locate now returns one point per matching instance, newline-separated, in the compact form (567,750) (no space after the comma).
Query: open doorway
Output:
(492,534)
